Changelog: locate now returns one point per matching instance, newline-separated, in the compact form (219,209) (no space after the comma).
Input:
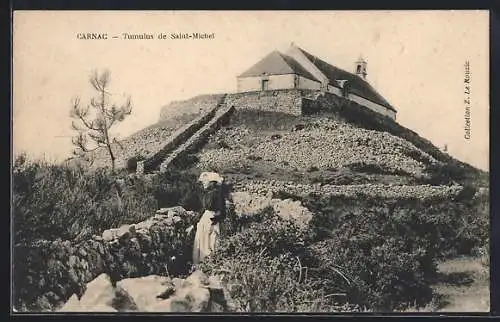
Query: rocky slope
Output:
(150,140)
(316,143)
(195,105)
(144,143)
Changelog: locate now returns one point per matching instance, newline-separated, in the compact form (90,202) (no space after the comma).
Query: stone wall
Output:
(287,101)
(48,273)
(196,141)
(179,137)
(421,192)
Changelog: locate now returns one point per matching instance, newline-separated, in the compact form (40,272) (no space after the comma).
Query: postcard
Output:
(250,161)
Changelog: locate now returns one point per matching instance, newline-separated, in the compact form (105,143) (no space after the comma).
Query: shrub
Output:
(132,163)
(444,173)
(259,283)
(312,169)
(390,247)
(260,264)
(266,231)
(178,188)
(55,201)
(380,274)
(185,160)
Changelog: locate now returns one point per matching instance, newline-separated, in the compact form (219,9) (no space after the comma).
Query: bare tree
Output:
(94,121)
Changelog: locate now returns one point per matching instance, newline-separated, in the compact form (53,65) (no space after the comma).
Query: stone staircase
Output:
(187,139)
(196,141)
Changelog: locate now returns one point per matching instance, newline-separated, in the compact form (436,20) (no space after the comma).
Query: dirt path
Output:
(464,286)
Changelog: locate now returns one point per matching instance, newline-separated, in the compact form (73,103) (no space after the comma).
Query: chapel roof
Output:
(357,85)
(276,63)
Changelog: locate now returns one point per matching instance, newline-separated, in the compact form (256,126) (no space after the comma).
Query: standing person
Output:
(208,227)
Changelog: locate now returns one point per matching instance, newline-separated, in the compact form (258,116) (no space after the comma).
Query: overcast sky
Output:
(415,60)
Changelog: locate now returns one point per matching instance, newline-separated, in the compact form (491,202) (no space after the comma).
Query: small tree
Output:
(93,125)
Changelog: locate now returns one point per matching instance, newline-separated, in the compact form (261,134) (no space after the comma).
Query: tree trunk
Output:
(112,156)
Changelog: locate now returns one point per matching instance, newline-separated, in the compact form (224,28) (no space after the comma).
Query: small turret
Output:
(360,66)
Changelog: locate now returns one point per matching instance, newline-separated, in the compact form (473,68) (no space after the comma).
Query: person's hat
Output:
(207,177)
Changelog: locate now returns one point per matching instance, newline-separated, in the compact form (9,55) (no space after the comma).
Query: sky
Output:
(415,60)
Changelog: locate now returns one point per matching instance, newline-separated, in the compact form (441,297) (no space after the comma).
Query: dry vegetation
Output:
(374,252)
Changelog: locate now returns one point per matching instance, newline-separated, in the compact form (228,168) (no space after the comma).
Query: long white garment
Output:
(206,236)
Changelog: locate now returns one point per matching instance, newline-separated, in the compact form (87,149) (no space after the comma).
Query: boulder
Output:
(196,293)
(100,296)
(144,290)
(196,279)
(99,291)
(194,298)
(249,204)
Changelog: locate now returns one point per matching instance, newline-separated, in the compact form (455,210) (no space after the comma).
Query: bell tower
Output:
(360,67)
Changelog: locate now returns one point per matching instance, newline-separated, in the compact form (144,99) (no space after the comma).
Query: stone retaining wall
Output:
(353,191)
(197,140)
(47,273)
(286,101)
(178,138)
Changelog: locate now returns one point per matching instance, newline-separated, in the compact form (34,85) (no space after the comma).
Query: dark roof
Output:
(357,85)
(277,63)
(297,67)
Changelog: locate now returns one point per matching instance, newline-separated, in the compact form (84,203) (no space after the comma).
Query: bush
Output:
(444,173)
(455,227)
(312,169)
(389,256)
(259,283)
(185,161)
(266,232)
(55,201)
(367,258)
(387,253)
(260,265)
(132,163)
(390,247)
(178,188)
